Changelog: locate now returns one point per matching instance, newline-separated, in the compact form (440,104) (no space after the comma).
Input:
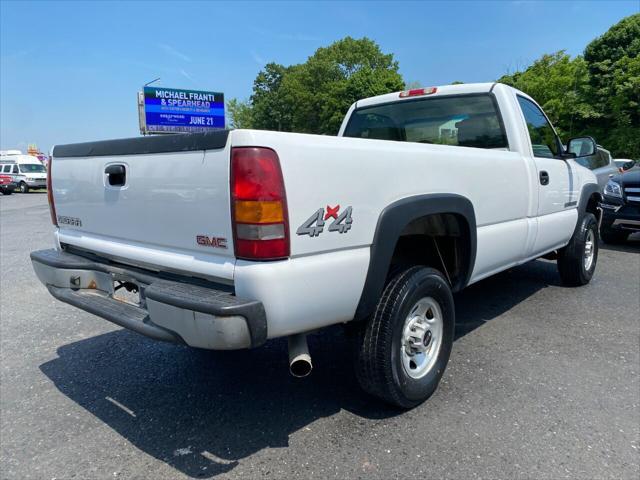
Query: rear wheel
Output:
(577,261)
(8,191)
(403,350)
(24,188)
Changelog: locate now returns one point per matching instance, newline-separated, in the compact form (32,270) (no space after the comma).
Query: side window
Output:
(15,169)
(543,139)
(5,168)
(604,159)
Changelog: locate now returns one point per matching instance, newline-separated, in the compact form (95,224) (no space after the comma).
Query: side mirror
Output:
(582,146)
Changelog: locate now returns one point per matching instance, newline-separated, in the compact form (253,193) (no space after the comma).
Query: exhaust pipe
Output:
(299,358)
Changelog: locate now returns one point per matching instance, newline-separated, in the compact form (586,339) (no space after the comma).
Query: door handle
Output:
(544,178)
(116,175)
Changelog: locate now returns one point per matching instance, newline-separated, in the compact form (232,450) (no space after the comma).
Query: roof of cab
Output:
(459,89)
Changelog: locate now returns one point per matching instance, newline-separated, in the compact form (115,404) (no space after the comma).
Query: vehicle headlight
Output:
(613,189)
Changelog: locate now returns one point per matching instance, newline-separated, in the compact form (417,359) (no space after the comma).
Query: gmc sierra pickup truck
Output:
(225,240)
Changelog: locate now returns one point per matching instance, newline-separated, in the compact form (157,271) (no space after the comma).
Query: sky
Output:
(69,71)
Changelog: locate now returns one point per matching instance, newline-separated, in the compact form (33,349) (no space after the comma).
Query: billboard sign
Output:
(169,110)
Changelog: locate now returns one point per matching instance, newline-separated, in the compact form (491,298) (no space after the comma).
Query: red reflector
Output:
(416,92)
(256,177)
(262,249)
(52,206)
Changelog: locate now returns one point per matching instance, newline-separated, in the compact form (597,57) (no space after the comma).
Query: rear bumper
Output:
(170,309)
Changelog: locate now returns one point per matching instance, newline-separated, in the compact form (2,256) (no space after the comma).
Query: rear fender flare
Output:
(392,221)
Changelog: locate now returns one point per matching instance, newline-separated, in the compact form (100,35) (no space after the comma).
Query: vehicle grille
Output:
(632,193)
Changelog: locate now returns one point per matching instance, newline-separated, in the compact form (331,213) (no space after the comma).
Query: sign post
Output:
(170,110)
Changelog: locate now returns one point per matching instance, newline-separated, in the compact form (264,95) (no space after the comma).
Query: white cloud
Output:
(186,74)
(258,59)
(169,50)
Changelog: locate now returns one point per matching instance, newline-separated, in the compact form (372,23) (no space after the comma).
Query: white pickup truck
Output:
(228,239)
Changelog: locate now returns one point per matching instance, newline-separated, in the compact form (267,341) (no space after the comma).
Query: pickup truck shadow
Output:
(201,412)
(489,298)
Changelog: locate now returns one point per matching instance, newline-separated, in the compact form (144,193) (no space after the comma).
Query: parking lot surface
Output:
(543,382)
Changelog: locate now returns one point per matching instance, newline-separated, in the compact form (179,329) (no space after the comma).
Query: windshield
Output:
(32,168)
(466,121)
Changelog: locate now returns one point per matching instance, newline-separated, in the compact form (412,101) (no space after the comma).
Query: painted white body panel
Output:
(307,292)
(170,198)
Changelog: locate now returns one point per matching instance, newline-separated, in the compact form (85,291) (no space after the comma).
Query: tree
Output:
(613,61)
(323,88)
(240,113)
(558,83)
(598,94)
(270,105)
(313,97)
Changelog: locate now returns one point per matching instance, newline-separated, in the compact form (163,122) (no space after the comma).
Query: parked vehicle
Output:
(233,238)
(621,207)
(6,185)
(26,171)
(601,164)
(624,163)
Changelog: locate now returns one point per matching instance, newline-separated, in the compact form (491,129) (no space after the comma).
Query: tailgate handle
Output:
(116,175)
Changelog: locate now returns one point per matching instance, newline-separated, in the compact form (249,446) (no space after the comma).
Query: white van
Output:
(27,172)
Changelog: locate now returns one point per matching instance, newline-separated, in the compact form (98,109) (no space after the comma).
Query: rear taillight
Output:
(52,206)
(258,205)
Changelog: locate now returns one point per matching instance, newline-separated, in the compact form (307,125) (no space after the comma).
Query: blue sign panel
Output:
(172,110)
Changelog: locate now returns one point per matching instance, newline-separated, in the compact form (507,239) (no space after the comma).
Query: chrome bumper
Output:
(173,310)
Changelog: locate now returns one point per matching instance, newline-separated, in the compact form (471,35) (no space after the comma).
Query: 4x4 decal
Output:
(314,225)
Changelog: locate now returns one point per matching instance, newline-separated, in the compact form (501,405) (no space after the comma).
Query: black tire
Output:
(24,188)
(611,236)
(571,259)
(379,366)
(7,191)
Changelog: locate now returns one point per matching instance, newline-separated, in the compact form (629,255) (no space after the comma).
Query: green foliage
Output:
(240,113)
(559,84)
(598,94)
(614,77)
(314,96)
(271,107)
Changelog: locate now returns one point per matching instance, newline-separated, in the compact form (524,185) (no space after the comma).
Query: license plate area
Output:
(127,291)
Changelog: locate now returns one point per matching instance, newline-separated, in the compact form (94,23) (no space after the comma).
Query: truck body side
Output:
(173,197)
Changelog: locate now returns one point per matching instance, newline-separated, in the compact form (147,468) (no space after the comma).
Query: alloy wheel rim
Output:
(589,250)
(421,337)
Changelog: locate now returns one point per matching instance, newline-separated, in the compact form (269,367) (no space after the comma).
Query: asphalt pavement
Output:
(543,383)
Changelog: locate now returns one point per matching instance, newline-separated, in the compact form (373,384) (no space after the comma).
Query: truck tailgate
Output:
(171,212)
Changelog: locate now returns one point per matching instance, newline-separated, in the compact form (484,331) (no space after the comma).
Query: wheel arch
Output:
(391,223)
(590,196)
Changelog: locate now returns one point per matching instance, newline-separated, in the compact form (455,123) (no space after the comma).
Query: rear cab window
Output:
(458,120)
